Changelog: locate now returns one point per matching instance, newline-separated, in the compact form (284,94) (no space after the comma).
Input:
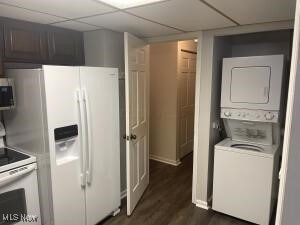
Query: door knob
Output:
(132,137)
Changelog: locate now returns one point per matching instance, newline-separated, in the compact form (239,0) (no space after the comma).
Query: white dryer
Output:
(252,82)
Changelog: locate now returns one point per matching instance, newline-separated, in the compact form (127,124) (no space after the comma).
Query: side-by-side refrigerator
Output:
(68,117)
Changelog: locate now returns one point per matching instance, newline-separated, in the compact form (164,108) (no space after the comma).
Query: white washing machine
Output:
(245,184)
(246,163)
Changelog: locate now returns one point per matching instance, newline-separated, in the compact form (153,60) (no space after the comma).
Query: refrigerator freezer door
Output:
(100,87)
(61,84)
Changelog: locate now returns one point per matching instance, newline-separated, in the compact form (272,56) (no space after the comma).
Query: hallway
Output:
(168,201)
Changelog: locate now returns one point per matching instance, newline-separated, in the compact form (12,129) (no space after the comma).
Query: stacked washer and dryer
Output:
(246,162)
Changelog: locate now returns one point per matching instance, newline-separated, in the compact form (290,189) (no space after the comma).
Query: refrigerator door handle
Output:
(79,101)
(89,137)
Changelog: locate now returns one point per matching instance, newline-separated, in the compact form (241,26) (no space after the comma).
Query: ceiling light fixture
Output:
(123,4)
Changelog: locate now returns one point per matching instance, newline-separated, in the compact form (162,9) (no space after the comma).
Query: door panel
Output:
(62,110)
(103,179)
(186,95)
(137,125)
(258,77)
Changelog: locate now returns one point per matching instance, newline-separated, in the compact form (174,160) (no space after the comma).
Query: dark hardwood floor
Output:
(168,200)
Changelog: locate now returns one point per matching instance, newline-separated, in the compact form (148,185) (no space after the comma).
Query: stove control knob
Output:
(257,116)
(227,114)
(244,115)
(269,116)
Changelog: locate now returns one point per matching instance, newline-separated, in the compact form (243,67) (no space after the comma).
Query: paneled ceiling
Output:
(155,19)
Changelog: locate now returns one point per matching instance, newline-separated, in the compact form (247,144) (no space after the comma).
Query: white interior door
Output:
(186,100)
(137,119)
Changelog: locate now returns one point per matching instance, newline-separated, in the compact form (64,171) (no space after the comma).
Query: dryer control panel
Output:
(250,115)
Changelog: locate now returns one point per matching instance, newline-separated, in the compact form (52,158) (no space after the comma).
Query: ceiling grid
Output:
(163,17)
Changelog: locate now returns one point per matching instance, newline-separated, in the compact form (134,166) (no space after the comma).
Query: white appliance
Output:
(245,180)
(252,82)
(19,200)
(246,163)
(69,118)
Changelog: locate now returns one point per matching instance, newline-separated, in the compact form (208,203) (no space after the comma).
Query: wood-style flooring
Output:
(168,200)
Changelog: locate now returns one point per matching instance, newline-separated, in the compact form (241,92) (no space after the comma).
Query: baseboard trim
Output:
(202,204)
(164,160)
(123,194)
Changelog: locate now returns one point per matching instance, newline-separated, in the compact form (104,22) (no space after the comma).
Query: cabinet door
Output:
(65,46)
(24,41)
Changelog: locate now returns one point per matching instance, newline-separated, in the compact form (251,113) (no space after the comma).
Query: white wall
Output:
(165,61)
(163,101)
(106,48)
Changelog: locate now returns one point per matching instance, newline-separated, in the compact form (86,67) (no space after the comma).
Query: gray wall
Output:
(221,50)
(106,48)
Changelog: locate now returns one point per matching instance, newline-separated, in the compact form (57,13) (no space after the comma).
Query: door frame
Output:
(289,115)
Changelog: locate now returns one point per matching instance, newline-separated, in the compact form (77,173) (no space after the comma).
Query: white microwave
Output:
(252,82)
(7,94)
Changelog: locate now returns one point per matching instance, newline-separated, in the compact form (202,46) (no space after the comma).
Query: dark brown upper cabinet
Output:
(65,46)
(24,41)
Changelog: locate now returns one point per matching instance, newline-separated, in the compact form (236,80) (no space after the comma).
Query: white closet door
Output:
(186,101)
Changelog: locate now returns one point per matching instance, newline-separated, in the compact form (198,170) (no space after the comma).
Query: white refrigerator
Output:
(68,117)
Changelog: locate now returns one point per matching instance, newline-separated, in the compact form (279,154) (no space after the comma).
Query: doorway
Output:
(172,100)
(173,94)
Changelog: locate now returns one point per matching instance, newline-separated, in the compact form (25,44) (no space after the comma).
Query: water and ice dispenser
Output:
(66,143)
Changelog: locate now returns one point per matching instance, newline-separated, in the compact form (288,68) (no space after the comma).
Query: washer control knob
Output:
(227,114)
(269,116)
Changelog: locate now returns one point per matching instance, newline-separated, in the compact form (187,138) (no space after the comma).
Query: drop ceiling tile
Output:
(24,14)
(120,21)
(75,25)
(64,8)
(256,11)
(188,15)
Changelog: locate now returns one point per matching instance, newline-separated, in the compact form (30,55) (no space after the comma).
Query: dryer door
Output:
(245,79)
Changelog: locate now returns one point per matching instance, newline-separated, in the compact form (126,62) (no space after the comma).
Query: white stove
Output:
(11,159)
(18,186)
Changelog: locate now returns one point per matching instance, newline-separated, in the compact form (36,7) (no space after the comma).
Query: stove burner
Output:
(8,156)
